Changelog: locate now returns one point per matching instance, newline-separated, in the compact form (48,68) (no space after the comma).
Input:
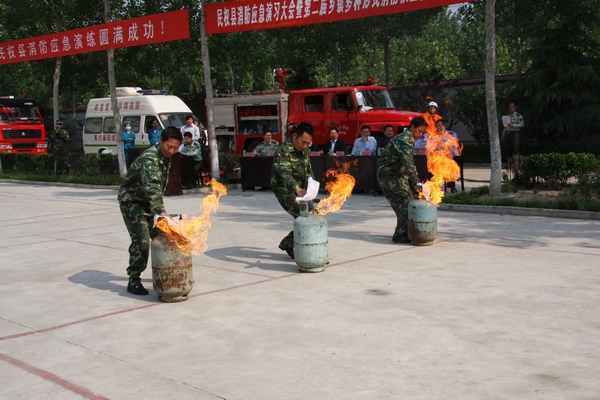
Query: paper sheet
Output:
(505,120)
(311,191)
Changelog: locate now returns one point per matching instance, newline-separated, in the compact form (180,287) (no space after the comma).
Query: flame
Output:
(190,234)
(340,188)
(439,150)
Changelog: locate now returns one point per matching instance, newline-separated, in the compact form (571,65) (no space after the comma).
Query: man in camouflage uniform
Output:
(267,146)
(141,197)
(58,147)
(511,132)
(289,176)
(397,175)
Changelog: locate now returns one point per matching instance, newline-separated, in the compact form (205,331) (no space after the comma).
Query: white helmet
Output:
(432,104)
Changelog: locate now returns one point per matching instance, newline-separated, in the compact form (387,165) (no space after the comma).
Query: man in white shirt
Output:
(190,127)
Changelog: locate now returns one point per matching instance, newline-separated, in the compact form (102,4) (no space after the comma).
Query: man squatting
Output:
(141,197)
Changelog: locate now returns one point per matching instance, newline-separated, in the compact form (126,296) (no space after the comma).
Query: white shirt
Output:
(194,129)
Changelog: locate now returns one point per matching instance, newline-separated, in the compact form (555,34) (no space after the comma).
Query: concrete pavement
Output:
(499,307)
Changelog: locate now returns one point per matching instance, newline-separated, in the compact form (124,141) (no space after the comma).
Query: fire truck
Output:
(241,120)
(22,127)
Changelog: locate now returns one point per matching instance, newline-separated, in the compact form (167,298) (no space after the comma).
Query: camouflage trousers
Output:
(61,159)
(398,194)
(288,202)
(139,225)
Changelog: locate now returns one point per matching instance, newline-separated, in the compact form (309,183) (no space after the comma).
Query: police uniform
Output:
(398,178)
(291,170)
(265,149)
(58,138)
(512,134)
(194,150)
(140,198)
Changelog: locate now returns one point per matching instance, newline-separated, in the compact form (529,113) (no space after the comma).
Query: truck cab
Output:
(347,108)
(21,127)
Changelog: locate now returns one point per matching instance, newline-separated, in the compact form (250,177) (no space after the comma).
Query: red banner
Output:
(150,29)
(249,15)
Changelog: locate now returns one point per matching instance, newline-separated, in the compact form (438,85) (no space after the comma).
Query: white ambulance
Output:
(137,106)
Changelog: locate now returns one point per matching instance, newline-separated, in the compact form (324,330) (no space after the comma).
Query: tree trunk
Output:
(114,104)
(490,97)
(56,78)
(518,43)
(55,91)
(212,138)
(386,51)
(336,65)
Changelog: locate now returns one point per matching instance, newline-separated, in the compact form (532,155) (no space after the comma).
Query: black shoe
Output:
(401,239)
(137,288)
(453,190)
(290,252)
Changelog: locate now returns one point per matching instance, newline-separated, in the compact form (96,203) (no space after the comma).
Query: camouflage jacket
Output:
(397,162)
(58,137)
(266,149)
(291,169)
(146,182)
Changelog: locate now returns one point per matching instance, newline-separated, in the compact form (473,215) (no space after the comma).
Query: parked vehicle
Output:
(137,106)
(240,120)
(22,127)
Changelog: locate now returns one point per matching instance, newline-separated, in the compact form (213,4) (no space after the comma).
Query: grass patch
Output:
(565,201)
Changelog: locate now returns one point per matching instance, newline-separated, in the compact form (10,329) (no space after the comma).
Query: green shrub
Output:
(555,170)
(228,162)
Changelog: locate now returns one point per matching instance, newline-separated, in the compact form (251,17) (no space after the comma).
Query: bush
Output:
(228,162)
(81,164)
(480,153)
(555,170)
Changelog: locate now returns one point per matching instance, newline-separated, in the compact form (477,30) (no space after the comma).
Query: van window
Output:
(172,119)
(148,123)
(93,125)
(313,103)
(109,123)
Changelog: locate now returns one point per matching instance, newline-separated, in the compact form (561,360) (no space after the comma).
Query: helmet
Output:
(432,104)
(59,122)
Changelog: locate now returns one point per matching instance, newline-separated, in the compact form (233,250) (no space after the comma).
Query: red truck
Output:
(22,127)
(240,120)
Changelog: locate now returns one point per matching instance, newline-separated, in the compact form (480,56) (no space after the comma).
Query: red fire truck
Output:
(240,120)
(22,127)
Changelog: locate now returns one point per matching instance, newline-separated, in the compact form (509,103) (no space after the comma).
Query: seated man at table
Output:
(365,143)
(334,144)
(388,134)
(267,146)
(191,148)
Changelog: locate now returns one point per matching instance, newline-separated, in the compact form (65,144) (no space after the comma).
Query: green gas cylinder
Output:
(422,222)
(311,251)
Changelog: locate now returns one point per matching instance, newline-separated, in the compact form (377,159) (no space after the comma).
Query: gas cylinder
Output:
(171,270)
(422,222)
(311,251)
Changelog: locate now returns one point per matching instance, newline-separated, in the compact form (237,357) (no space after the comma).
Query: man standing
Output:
(141,197)
(58,139)
(290,173)
(511,132)
(190,127)
(154,132)
(267,146)
(334,144)
(388,134)
(397,175)
(192,148)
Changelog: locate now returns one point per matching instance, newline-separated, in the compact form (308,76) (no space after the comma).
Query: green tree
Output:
(563,84)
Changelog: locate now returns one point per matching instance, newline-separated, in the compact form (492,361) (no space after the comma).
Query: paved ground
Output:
(500,307)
